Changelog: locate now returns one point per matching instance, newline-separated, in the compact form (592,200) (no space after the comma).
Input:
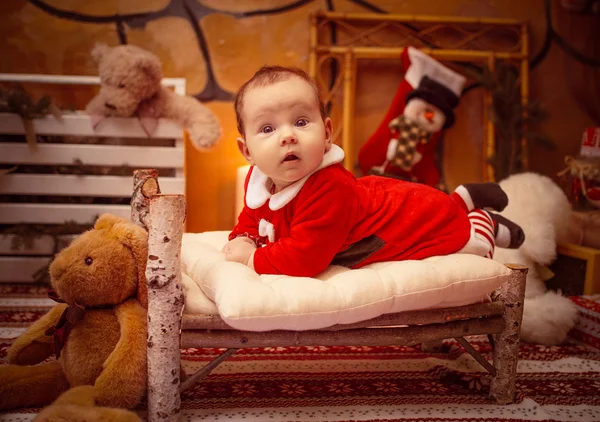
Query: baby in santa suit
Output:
(304,211)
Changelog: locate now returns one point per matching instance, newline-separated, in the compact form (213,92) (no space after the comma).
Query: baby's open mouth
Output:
(291,157)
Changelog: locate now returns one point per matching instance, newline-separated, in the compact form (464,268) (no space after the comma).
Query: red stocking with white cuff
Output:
(437,87)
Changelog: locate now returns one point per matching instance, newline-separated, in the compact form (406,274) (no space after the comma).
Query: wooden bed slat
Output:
(407,336)
(427,316)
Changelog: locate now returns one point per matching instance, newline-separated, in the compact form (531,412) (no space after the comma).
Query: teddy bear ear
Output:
(107,221)
(150,65)
(99,51)
(135,238)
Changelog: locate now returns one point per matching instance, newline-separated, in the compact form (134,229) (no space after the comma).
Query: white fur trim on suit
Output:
(423,65)
(466,196)
(259,185)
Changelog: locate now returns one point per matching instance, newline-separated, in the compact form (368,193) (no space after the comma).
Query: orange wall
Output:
(38,42)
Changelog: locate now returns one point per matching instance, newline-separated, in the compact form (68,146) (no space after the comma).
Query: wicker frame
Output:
(364,38)
(168,329)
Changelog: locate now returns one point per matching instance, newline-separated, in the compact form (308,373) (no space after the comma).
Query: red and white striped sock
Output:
(485,231)
(490,230)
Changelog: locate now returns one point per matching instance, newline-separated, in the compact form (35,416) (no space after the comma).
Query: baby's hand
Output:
(239,250)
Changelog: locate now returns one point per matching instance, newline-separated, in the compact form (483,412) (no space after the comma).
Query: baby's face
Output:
(286,136)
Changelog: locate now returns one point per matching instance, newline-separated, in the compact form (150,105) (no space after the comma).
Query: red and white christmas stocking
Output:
(419,68)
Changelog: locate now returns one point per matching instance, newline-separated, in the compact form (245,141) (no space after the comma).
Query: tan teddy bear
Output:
(130,86)
(99,333)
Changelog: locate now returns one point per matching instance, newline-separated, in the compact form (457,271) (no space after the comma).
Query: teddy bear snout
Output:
(57,267)
(118,102)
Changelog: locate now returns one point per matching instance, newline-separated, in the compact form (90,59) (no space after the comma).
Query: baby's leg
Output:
(489,230)
(472,196)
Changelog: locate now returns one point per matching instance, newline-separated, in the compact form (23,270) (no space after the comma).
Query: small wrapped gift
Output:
(588,326)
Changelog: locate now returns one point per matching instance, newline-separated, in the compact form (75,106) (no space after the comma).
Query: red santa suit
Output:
(330,217)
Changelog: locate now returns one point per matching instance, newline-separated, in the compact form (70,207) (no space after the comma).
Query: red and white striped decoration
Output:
(484,229)
(590,142)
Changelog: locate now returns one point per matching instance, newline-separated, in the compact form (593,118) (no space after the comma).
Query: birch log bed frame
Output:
(168,329)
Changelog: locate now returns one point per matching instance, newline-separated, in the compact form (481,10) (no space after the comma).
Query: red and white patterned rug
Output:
(362,383)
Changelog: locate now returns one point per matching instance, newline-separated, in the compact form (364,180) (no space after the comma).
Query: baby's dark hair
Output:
(268,75)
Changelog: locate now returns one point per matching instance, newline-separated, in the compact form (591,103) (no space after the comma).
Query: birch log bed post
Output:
(145,186)
(163,216)
(506,350)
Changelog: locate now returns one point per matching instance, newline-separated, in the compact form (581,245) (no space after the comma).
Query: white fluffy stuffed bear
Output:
(543,211)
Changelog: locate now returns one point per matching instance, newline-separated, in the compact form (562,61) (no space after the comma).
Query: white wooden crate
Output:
(20,265)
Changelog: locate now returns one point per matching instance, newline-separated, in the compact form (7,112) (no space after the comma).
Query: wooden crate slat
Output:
(71,185)
(11,213)
(178,84)
(20,269)
(93,155)
(43,245)
(79,124)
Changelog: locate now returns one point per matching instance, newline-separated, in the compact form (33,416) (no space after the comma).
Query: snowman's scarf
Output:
(409,135)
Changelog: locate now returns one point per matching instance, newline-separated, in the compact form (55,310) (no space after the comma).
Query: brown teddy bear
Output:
(98,334)
(130,86)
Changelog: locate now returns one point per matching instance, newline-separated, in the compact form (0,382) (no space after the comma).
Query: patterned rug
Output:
(361,383)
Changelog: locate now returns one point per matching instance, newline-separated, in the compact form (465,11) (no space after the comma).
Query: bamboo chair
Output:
(168,329)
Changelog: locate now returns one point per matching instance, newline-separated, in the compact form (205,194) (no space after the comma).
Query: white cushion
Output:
(248,301)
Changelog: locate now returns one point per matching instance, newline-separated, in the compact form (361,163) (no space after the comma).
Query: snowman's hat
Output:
(437,95)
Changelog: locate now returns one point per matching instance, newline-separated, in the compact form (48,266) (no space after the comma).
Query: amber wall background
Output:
(217,44)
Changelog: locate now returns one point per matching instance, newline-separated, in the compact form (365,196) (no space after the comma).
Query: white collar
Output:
(259,185)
